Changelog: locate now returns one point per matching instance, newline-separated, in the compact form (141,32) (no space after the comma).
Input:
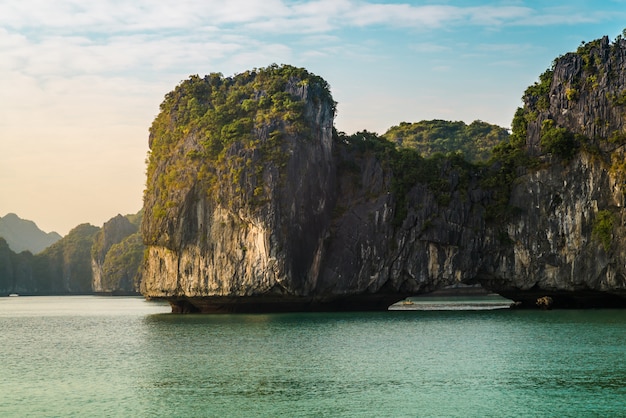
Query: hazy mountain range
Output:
(25,235)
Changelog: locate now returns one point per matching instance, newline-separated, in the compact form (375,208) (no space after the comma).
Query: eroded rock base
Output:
(266,304)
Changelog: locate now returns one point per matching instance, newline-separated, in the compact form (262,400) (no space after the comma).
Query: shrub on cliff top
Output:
(538,94)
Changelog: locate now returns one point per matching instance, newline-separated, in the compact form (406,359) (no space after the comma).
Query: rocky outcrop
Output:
(567,238)
(61,269)
(321,236)
(64,267)
(259,236)
(87,260)
(585,94)
(285,216)
(116,257)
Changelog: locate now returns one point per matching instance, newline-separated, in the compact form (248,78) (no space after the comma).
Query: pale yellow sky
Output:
(73,150)
(81,82)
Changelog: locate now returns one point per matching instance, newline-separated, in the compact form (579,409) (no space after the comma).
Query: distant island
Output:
(24,235)
(88,260)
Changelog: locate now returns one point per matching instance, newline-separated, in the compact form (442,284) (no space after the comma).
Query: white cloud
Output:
(566,18)
(139,15)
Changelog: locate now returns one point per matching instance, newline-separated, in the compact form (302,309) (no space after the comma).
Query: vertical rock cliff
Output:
(116,257)
(567,240)
(239,197)
(16,271)
(64,267)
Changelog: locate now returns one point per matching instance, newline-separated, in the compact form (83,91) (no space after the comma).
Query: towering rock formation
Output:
(116,257)
(238,206)
(567,240)
(253,204)
(64,267)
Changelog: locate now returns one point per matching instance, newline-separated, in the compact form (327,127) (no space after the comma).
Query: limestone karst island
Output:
(255,202)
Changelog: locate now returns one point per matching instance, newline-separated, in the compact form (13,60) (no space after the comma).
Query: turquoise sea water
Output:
(124,357)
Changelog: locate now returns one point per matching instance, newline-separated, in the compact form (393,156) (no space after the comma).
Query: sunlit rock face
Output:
(253,204)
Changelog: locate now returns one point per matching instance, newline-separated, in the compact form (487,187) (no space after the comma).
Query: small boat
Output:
(13,295)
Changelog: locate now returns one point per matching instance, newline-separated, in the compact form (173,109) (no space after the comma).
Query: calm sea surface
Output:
(124,357)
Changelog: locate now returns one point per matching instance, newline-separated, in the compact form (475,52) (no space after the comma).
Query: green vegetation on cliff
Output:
(221,134)
(474,141)
(65,266)
(238,122)
(117,255)
(123,263)
(237,126)
(603,228)
(559,141)
(409,168)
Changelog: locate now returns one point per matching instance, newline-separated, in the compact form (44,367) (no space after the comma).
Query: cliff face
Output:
(61,269)
(259,232)
(289,217)
(116,257)
(442,239)
(16,275)
(64,267)
(567,239)
(556,244)
(585,94)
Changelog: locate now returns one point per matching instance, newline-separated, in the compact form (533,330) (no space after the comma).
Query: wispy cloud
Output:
(567,17)
(429,47)
(140,15)
(404,15)
(278,16)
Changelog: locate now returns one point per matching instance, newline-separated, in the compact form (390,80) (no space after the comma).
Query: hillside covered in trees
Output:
(474,141)
(87,260)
